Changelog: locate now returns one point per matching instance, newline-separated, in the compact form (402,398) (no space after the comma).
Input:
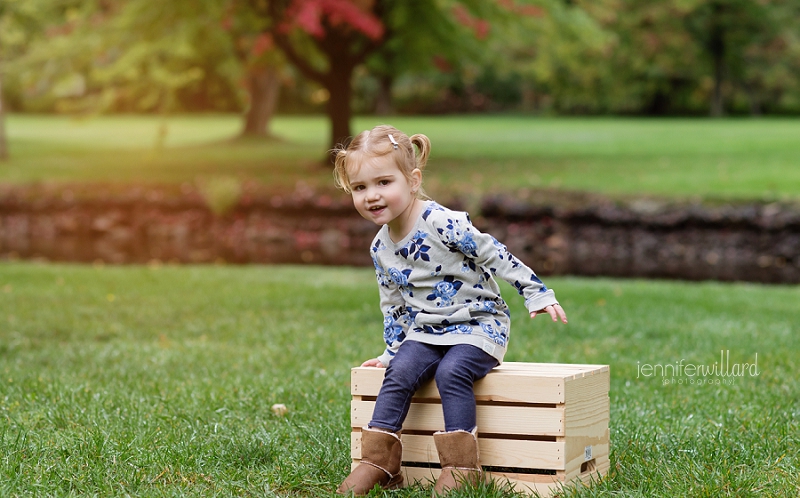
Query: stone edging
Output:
(556,233)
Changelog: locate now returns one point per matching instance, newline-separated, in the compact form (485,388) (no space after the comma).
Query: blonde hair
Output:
(376,143)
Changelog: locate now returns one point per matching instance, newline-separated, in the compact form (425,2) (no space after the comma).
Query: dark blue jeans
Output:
(456,369)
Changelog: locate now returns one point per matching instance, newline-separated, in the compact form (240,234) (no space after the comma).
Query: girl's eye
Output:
(358,188)
(383,182)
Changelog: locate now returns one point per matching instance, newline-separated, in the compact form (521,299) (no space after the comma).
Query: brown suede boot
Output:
(458,454)
(381,457)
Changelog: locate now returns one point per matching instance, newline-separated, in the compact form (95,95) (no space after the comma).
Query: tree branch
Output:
(276,14)
(286,46)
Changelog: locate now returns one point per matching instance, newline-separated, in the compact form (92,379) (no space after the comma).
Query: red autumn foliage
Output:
(480,27)
(310,16)
(442,64)
(263,43)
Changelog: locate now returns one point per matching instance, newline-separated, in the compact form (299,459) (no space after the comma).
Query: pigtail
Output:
(423,145)
(340,168)
(423,149)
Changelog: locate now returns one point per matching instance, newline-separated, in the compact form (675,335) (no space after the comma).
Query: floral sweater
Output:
(437,285)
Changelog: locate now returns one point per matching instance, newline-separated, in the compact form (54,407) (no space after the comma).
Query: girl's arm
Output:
(482,250)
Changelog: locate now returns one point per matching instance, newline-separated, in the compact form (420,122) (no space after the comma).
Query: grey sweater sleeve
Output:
(484,250)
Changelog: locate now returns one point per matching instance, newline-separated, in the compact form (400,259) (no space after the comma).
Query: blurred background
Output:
(190,130)
(259,58)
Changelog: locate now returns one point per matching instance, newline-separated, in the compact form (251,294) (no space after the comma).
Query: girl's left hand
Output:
(555,311)
(374,362)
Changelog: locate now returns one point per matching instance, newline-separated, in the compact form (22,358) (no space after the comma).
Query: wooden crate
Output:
(541,426)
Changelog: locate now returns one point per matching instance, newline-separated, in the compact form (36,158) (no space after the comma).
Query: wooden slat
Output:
(506,386)
(493,452)
(557,369)
(511,381)
(581,388)
(492,419)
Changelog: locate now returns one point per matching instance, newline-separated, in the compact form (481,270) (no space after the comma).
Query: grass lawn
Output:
(158,381)
(472,155)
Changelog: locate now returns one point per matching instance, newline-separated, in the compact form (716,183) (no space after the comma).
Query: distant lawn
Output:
(732,159)
(137,381)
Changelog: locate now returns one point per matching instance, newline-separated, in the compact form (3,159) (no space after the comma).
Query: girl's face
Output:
(382,194)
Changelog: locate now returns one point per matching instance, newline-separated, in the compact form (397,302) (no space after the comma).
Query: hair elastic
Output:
(394,143)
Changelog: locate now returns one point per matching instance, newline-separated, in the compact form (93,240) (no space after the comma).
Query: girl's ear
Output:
(416,179)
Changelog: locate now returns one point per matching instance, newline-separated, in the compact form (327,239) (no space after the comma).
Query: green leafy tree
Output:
(727,30)
(21,22)
(140,55)
(445,41)
(554,47)
(690,56)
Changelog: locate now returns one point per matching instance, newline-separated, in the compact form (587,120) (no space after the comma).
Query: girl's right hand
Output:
(372,363)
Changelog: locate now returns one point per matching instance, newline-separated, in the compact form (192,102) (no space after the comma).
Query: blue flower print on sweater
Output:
(433,206)
(393,330)
(460,328)
(459,238)
(380,273)
(416,247)
(485,306)
(444,291)
(521,288)
(498,333)
(400,277)
(504,253)
(379,246)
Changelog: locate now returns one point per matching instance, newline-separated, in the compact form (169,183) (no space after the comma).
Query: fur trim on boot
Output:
(458,454)
(381,457)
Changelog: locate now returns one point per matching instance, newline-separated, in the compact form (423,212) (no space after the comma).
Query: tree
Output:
(726,30)
(448,45)
(20,23)
(3,139)
(554,47)
(327,39)
(139,55)
(693,56)
(342,33)
(262,76)
(262,64)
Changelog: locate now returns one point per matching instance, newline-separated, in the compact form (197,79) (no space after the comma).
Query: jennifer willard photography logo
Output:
(721,372)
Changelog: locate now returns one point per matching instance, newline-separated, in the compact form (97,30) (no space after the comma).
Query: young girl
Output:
(443,313)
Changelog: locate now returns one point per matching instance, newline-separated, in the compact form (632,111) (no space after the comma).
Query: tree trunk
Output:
(264,85)
(751,90)
(339,111)
(717,102)
(717,49)
(3,142)
(383,101)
